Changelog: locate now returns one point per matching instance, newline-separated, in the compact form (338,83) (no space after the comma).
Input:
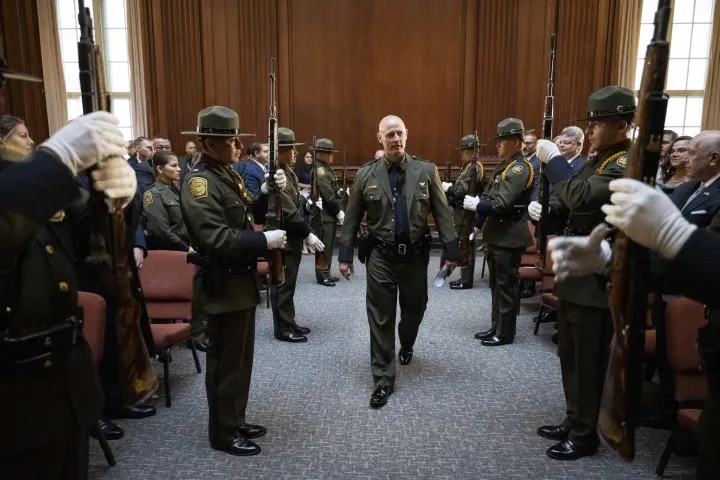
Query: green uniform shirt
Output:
(293,209)
(216,209)
(423,195)
(328,186)
(504,202)
(584,193)
(166,226)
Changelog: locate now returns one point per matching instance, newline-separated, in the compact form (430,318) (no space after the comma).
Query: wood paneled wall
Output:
(21,40)
(446,67)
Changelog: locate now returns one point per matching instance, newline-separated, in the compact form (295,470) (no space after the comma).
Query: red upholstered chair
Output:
(93,307)
(548,300)
(683,317)
(166,279)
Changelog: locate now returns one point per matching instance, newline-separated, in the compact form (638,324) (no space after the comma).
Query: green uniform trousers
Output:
(282,298)
(330,229)
(584,339)
(228,371)
(62,459)
(503,264)
(386,276)
(467,274)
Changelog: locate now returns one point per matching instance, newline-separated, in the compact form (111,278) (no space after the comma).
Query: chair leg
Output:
(166,369)
(195,356)
(665,457)
(538,319)
(109,457)
(267,290)
(482,272)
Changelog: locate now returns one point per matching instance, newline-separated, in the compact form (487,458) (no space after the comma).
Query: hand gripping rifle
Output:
(321,260)
(629,291)
(544,188)
(467,226)
(110,240)
(273,218)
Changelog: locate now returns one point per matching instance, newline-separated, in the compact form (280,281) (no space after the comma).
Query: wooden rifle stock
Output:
(321,260)
(467,225)
(629,292)
(110,242)
(345,196)
(273,218)
(544,187)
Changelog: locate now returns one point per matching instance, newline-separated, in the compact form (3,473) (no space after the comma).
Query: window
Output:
(111,36)
(690,33)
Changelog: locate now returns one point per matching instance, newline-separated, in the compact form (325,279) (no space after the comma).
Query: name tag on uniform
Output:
(372,186)
(698,212)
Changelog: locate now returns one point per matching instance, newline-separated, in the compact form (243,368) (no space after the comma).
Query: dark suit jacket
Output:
(144,174)
(558,217)
(254,177)
(535,162)
(704,209)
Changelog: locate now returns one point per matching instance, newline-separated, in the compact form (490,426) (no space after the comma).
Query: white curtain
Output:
(138,104)
(53,77)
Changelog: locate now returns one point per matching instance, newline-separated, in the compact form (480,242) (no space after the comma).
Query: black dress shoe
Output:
(485,335)
(239,447)
(326,283)
(380,396)
(108,428)
(555,338)
(293,338)
(252,431)
(459,285)
(555,432)
(496,341)
(569,450)
(136,412)
(405,356)
(334,279)
(302,330)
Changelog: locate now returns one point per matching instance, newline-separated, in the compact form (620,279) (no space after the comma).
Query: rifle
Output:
(467,225)
(345,196)
(110,242)
(629,291)
(448,164)
(544,188)
(273,218)
(321,260)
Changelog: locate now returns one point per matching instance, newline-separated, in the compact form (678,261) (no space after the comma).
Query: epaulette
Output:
(419,159)
(370,162)
(621,160)
(200,167)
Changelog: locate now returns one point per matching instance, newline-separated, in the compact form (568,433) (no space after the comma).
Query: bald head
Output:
(190,149)
(393,136)
(703,156)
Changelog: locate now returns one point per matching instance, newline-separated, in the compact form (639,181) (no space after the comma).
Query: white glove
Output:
(535,211)
(647,216)
(546,150)
(86,140)
(341,217)
(340,192)
(280,181)
(470,203)
(446,186)
(116,179)
(275,239)
(314,244)
(472,235)
(347,190)
(579,256)
(310,203)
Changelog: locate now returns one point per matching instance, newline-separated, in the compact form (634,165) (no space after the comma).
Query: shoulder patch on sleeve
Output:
(622,161)
(198,187)
(517,169)
(147,198)
(321,171)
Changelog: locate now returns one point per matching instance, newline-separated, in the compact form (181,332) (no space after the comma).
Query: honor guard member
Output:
(506,233)
(161,204)
(648,217)
(217,212)
(584,321)
(398,192)
(294,205)
(332,213)
(49,390)
(456,194)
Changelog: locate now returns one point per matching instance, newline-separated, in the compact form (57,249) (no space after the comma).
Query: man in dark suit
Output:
(185,161)
(141,164)
(255,168)
(528,149)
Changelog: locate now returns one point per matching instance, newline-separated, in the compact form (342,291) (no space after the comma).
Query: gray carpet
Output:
(460,411)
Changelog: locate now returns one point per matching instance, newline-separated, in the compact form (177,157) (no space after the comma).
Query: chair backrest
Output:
(683,317)
(94,317)
(166,276)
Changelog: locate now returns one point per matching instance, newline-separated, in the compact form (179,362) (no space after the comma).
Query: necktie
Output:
(396,177)
(697,192)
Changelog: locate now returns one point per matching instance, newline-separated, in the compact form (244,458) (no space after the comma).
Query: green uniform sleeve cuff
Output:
(451,251)
(345,253)
(253,244)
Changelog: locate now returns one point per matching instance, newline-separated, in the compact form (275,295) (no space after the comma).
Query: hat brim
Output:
(321,150)
(204,134)
(471,147)
(603,115)
(514,134)
(289,144)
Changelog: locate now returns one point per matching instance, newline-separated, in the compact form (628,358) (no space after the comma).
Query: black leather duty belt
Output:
(399,249)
